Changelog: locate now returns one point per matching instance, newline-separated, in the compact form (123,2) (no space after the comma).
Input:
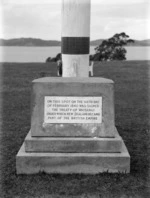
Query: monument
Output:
(72,118)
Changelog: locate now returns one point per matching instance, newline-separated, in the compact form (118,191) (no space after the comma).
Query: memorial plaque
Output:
(72,109)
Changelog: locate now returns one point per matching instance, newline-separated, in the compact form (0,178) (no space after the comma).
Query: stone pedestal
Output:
(72,129)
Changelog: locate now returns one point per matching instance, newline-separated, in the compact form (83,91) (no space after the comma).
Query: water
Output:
(40,54)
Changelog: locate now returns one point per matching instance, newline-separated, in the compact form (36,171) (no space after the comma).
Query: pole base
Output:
(72,162)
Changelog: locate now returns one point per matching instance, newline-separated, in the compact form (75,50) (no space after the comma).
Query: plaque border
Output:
(82,122)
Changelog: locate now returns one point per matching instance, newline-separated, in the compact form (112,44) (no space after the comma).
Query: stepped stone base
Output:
(72,147)
(73,144)
(87,163)
(74,161)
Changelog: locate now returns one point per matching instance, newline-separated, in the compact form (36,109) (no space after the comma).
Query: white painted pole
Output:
(75,37)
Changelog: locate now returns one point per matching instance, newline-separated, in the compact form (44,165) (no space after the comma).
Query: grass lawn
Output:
(132,108)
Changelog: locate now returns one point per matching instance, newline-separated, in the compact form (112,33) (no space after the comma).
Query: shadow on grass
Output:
(132,117)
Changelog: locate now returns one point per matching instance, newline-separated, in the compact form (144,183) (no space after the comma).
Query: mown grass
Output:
(132,86)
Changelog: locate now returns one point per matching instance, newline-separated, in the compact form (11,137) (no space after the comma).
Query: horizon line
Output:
(60,40)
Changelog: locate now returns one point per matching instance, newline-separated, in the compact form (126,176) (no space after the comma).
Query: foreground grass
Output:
(132,121)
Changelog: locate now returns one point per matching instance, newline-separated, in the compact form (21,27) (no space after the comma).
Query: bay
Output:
(40,54)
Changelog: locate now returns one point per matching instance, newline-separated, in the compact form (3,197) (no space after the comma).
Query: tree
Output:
(58,56)
(112,49)
(54,59)
(48,59)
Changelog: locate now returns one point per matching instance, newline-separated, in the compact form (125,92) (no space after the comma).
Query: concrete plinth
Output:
(61,144)
(87,163)
(73,145)
(73,87)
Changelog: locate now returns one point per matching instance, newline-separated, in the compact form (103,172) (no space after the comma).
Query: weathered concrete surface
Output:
(55,86)
(73,148)
(88,163)
(73,144)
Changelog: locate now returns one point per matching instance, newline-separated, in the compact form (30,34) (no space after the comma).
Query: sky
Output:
(42,19)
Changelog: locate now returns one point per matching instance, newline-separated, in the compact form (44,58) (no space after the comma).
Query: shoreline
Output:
(96,62)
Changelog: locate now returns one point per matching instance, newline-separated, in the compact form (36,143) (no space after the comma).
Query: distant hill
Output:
(41,43)
(136,42)
(28,42)
(96,42)
(140,43)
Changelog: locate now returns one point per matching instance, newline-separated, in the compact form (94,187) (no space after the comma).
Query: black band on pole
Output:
(75,45)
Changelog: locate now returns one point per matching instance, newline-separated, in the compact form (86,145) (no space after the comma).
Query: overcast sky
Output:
(42,18)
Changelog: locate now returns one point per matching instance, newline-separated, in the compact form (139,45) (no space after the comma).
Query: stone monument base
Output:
(108,155)
(72,129)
